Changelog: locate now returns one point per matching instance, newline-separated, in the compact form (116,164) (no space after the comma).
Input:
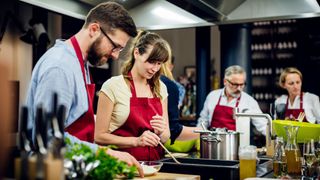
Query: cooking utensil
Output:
(301,116)
(203,126)
(219,144)
(175,160)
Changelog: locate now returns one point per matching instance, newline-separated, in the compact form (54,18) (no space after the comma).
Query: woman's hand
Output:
(158,124)
(126,157)
(148,138)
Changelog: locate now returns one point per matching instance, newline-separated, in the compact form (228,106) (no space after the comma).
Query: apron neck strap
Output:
(76,47)
(301,102)
(132,87)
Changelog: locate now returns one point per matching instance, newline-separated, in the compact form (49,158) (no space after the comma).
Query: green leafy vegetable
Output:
(109,166)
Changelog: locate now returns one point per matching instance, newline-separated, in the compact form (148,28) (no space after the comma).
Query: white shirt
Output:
(311,105)
(246,104)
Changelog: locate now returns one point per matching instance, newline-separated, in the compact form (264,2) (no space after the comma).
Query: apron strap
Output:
(301,102)
(79,55)
(132,87)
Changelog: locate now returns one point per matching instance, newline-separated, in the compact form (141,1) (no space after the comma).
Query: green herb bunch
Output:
(109,166)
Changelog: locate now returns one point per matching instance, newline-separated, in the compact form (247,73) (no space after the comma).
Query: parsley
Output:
(109,166)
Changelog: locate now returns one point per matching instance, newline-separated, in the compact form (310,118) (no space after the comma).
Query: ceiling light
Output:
(169,15)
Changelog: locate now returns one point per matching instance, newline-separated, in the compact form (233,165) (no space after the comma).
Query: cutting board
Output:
(171,176)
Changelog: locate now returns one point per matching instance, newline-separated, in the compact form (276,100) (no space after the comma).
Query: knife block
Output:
(53,169)
(17,168)
(32,165)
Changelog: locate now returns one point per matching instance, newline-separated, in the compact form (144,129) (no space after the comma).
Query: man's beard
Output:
(93,57)
(235,94)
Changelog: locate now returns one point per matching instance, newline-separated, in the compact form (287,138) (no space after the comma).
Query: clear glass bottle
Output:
(279,159)
(292,151)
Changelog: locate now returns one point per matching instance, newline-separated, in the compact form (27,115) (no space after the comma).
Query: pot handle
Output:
(212,138)
(217,139)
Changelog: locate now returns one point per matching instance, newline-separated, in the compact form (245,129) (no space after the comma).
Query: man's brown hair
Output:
(111,15)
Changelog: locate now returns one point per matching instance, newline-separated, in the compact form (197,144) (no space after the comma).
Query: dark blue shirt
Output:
(173,110)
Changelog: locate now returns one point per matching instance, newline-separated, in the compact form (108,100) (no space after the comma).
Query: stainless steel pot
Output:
(219,144)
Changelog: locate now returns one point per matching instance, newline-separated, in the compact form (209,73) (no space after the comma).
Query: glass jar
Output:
(292,152)
(279,159)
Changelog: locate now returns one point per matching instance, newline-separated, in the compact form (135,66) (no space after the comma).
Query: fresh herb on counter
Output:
(109,166)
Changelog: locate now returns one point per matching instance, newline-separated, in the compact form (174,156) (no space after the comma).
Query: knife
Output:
(24,144)
(41,136)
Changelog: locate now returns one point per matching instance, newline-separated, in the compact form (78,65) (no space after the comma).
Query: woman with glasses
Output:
(218,107)
(132,108)
(296,102)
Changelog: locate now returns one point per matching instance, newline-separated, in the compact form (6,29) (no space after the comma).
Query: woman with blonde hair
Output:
(132,108)
(296,102)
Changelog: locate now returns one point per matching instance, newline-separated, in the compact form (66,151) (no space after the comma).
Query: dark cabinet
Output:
(280,44)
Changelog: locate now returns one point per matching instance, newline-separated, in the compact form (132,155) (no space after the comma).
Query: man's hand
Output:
(126,157)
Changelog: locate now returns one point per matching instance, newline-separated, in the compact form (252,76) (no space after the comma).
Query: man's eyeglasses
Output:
(235,85)
(115,46)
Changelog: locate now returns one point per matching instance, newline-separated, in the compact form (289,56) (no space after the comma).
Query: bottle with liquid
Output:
(279,159)
(292,152)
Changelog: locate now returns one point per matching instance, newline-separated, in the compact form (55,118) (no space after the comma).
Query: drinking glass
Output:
(317,150)
(309,152)
(248,160)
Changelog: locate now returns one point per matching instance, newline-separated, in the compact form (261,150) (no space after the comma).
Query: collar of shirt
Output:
(86,67)
(224,99)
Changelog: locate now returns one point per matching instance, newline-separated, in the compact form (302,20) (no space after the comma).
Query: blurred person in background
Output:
(218,107)
(132,108)
(177,130)
(181,88)
(290,105)
(63,69)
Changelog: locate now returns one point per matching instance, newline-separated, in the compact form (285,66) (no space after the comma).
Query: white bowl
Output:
(150,167)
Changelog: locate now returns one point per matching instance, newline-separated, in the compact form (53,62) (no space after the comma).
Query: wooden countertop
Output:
(171,176)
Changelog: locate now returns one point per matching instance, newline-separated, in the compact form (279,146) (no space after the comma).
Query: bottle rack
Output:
(274,46)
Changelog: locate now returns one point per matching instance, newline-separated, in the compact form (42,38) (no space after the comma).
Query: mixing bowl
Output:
(306,130)
(150,167)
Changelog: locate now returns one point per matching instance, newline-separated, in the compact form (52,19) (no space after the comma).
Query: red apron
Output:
(222,116)
(294,113)
(83,128)
(141,112)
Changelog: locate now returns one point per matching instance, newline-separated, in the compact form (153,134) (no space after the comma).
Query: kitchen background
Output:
(262,36)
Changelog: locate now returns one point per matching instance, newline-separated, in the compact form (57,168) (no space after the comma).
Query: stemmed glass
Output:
(309,152)
(317,150)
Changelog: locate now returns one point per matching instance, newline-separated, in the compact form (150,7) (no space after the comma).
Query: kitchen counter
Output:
(210,168)
(172,176)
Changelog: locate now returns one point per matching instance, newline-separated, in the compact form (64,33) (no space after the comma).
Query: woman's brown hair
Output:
(160,53)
